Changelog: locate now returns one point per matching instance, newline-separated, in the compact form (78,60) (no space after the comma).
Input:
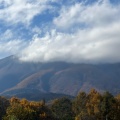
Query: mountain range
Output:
(56,78)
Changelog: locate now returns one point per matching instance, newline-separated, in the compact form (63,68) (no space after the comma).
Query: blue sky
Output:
(60,30)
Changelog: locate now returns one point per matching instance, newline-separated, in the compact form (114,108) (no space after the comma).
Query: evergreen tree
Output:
(79,106)
(107,104)
(62,109)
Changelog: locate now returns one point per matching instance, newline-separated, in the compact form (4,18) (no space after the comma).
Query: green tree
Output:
(4,103)
(107,105)
(115,113)
(62,109)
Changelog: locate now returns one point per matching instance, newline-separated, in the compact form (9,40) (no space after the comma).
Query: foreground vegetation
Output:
(91,106)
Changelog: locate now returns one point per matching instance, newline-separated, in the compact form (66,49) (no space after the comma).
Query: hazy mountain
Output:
(22,78)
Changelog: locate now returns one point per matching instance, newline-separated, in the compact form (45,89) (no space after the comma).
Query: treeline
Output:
(91,106)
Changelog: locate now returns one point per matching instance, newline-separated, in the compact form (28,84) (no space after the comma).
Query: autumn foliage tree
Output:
(94,104)
(26,110)
(79,106)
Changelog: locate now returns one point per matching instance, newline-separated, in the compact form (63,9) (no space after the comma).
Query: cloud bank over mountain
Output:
(52,31)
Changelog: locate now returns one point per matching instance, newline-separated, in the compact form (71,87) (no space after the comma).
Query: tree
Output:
(107,105)
(18,112)
(79,106)
(93,104)
(4,103)
(62,109)
(115,113)
(27,110)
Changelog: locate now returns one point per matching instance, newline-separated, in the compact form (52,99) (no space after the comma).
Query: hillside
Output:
(57,77)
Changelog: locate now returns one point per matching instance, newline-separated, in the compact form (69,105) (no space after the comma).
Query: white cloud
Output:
(36,30)
(98,14)
(99,41)
(95,35)
(22,11)
(7,35)
(84,46)
(9,45)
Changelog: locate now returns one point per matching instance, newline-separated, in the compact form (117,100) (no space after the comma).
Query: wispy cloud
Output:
(100,13)
(11,47)
(22,11)
(10,44)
